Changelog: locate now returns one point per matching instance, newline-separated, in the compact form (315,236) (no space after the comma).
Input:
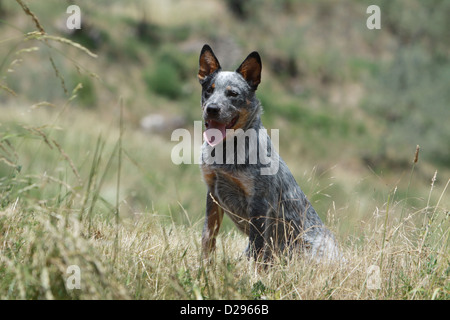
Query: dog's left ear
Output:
(250,69)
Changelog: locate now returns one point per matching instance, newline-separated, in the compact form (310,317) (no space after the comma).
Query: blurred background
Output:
(351,103)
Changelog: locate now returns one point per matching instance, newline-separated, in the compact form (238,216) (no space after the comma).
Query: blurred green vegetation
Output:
(410,94)
(351,103)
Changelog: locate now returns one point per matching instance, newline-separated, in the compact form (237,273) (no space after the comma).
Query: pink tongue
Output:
(215,133)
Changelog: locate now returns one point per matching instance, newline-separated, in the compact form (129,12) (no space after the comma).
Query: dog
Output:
(270,208)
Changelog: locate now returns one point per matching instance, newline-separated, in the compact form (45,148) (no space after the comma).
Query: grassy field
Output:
(82,184)
(144,258)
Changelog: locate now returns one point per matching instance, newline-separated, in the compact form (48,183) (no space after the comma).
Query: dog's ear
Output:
(250,69)
(208,63)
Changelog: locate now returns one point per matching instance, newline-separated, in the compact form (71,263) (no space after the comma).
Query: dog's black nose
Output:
(212,109)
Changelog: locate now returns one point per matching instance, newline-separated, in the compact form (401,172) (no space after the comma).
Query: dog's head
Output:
(227,97)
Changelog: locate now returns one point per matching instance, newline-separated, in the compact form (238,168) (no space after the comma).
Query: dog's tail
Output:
(323,246)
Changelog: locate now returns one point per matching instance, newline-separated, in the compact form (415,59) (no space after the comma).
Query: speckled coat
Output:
(270,208)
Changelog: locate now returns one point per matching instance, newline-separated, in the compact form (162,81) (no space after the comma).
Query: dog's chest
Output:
(233,190)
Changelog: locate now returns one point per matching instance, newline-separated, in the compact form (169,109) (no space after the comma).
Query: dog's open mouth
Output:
(214,137)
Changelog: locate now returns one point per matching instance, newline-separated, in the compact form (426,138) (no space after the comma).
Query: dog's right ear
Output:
(208,63)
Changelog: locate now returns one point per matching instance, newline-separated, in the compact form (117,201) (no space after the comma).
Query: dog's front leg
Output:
(259,230)
(213,220)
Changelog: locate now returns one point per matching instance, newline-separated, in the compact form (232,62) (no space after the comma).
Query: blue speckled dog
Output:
(270,208)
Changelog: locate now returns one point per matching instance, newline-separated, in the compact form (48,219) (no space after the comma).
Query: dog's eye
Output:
(210,90)
(232,93)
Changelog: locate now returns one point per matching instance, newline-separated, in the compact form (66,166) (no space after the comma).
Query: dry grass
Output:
(160,261)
